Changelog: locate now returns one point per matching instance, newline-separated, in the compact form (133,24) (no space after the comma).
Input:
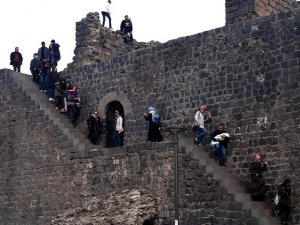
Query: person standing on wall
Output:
(118,131)
(106,13)
(200,118)
(35,68)
(16,60)
(154,124)
(43,53)
(126,29)
(55,54)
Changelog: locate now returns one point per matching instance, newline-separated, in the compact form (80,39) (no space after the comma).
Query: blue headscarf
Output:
(153,112)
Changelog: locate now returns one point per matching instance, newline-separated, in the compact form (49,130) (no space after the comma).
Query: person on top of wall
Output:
(55,54)
(154,125)
(201,116)
(16,60)
(106,13)
(283,206)
(45,70)
(126,29)
(51,80)
(94,125)
(118,129)
(60,93)
(220,139)
(257,187)
(35,67)
(43,53)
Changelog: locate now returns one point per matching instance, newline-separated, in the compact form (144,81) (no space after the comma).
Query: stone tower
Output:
(239,10)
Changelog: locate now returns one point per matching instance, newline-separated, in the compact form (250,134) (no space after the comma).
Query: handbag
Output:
(195,126)
(276,200)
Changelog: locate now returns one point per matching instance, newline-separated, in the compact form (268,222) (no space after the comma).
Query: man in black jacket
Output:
(126,29)
(16,60)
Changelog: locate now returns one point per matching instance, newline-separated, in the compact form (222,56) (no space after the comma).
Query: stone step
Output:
(40,98)
(259,210)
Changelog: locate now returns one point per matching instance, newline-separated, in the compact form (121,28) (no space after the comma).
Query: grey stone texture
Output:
(43,174)
(239,10)
(95,43)
(247,73)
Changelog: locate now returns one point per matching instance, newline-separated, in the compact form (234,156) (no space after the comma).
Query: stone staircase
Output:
(259,210)
(31,89)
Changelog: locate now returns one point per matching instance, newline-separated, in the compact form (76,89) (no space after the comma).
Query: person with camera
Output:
(257,186)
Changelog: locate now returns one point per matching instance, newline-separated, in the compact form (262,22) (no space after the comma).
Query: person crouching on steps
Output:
(220,139)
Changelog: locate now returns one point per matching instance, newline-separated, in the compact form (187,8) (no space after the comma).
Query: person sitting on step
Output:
(220,139)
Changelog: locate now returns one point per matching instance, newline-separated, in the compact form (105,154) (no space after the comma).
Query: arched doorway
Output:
(110,120)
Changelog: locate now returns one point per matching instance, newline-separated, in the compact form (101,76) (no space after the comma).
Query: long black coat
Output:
(94,125)
(153,132)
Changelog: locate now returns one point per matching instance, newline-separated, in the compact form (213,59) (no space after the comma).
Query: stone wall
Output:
(44,176)
(96,43)
(249,9)
(247,73)
(35,167)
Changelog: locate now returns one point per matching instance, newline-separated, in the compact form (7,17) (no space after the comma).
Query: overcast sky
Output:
(26,23)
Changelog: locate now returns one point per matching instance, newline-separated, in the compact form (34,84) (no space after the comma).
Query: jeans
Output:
(50,92)
(17,67)
(106,14)
(43,81)
(201,134)
(221,150)
(117,138)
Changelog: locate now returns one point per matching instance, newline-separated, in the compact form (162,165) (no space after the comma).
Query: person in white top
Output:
(199,119)
(106,13)
(117,135)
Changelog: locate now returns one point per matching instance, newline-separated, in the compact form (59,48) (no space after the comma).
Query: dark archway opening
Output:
(110,121)
(150,221)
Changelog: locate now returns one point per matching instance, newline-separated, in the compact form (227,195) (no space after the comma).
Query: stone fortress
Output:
(246,72)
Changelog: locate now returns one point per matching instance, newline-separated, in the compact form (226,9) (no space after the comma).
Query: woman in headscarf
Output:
(154,125)
(283,207)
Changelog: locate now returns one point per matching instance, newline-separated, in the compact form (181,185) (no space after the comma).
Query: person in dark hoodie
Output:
(126,29)
(55,54)
(60,91)
(51,80)
(35,67)
(45,69)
